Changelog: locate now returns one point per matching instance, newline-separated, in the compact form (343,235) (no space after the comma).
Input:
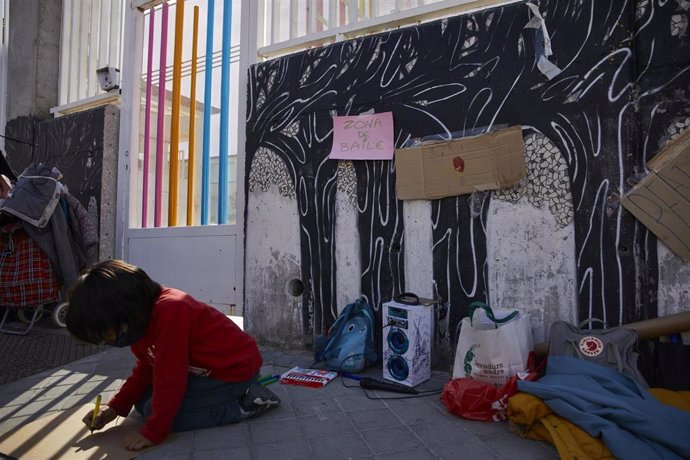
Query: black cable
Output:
(422,393)
(17,140)
(403,397)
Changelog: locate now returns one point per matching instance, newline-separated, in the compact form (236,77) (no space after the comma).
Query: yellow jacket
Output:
(530,417)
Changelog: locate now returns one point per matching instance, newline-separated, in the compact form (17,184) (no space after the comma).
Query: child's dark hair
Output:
(107,296)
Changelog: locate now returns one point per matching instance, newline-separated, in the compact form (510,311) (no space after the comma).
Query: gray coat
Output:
(36,200)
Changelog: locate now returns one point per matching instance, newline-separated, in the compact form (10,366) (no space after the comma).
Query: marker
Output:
(263,381)
(96,411)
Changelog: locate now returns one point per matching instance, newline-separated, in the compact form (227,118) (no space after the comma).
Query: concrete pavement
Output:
(329,423)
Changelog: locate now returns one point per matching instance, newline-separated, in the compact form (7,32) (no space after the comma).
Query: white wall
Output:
(674,282)
(273,259)
(531,264)
(418,242)
(347,249)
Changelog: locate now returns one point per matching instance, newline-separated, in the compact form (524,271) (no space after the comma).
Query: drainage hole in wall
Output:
(295,287)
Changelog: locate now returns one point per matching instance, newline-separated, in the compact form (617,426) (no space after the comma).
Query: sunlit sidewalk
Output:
(336,421)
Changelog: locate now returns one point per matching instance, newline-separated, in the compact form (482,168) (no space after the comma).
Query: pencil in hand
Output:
(96,412)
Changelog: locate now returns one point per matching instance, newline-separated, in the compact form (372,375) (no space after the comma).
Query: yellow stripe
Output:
(175,116)
(192,117)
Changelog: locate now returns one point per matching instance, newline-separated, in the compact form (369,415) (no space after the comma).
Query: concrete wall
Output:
(108,195)
(273,257)
(558,246)
(33,57)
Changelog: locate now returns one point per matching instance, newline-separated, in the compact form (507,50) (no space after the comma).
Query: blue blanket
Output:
(630,421)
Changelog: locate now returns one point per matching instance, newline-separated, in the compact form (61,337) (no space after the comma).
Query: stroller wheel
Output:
(59,314)
(25,314)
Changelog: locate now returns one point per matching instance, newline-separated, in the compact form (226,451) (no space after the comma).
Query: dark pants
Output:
(207,402)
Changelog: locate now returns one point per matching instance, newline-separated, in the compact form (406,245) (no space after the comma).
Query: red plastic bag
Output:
(477,400)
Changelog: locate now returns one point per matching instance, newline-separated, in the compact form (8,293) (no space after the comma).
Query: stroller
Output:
(46,238)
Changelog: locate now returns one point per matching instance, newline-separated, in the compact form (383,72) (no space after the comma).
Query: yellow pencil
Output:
(96,410)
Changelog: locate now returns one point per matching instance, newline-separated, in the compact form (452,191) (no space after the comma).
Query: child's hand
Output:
(136,441)
(106,416)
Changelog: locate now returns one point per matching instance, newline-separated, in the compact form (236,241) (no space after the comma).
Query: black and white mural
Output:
(73,144)
(597,86)
(83,147)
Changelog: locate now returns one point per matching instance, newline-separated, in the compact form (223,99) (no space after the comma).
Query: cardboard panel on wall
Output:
(661,200)
(457,167)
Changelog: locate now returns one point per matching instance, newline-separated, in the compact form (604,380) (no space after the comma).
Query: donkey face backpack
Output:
(349,345)
(612,348)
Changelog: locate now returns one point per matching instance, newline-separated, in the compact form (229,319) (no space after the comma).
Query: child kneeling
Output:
(195,367)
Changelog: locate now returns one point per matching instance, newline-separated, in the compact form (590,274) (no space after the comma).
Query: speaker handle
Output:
(407,298)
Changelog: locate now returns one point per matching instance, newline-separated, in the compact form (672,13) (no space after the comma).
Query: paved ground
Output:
(46,346)
(329,423)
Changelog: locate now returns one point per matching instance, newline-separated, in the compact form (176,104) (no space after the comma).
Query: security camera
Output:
(108,78)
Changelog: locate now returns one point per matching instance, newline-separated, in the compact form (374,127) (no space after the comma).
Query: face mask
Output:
(126,338)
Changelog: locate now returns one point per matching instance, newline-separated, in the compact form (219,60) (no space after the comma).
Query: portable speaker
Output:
(406,342)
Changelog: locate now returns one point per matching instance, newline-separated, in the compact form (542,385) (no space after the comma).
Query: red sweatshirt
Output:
(183,335)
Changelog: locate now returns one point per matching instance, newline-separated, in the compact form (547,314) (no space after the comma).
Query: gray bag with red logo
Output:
(614,348)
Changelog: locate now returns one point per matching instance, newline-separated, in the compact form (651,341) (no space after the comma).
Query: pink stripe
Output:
(161,119)
(147,124)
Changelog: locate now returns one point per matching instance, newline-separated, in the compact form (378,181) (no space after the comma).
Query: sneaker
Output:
(255,412)
(256,395)
(257,400)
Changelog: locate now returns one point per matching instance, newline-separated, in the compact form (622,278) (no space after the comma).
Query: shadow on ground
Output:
(45,346)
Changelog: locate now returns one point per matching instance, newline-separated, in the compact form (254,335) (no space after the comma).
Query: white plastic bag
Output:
(493,345)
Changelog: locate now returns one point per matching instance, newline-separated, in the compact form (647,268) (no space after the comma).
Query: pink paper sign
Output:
(363,137)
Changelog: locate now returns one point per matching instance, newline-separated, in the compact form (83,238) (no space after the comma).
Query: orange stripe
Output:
(175,116)
(192,117)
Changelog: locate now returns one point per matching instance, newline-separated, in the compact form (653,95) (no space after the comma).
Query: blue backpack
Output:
(349,344)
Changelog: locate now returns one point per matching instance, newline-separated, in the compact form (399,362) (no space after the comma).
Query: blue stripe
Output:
(224,115)
(208,104)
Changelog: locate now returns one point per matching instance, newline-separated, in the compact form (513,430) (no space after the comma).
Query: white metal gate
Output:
(184,80)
